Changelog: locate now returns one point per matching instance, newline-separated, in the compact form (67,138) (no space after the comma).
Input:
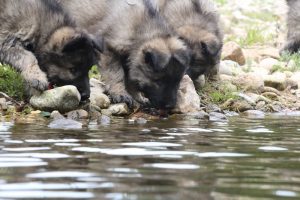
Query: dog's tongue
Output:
(50,86)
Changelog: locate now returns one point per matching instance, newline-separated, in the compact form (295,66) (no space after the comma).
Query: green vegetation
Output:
(11,82)
(94,72)
(221,2)
(293,61)
(254,35)
(217,93)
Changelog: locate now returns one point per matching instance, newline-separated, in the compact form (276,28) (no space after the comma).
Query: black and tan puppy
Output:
(197,23)
(38,39)
(292,45)
(144,59)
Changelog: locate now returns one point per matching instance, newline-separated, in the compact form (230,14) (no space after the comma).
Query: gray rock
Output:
(277,80)
(228,67)
(65,124)
(104,120)
(120,109)
(78,114)
(187,98)
(232,51)
(3,104)
(63,99)
(249,82)
(216,116)
(141,120)
(268,63)
(212,108)
(56,115)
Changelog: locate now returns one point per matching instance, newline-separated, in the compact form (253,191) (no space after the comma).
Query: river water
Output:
(164,159)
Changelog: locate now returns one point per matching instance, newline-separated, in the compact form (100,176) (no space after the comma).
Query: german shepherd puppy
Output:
(38,39)
(292,45)
(197,22)
(144,60)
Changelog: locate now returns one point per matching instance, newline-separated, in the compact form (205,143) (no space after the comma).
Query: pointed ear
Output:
(76,44)
(98,43)
(154,59)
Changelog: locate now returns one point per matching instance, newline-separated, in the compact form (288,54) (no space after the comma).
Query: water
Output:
(165,159)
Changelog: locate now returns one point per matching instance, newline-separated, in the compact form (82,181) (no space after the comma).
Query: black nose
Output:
(84,96)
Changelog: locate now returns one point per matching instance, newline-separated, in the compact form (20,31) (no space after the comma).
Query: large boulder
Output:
(62,99)
(188,101)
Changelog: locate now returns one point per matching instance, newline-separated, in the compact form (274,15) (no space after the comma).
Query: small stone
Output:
(212,108)
(56,115)
(188,99)
(216,116)
(99,99)
(270,89)
(261,105)
(237,105)
(35,112)
(249,82)
(271,95)
(3,105)
(78,114)
(63,99)
(120,109)
(232,51)
(247,98)
(104,120)
(106,112)
(227,66)
(141,121)
(277,80)
(268,63)
(295,78)
(65,124)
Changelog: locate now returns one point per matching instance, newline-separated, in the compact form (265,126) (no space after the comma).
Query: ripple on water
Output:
(20,162)
(152,144)
(36,194)
(172,166)
(34,155)
(272,148)
(61,174)
(260,130)
(221,155)
(285,193)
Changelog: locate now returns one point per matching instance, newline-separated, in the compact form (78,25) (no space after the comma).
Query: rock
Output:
(3,104)
(187,98)
(63,99)
(98,97)
(65,124)
(254,114)
(270,89)
(261,105)
(225,78)
(212,108)
(216,116)
(200,82)
(268,63)
(250,82)
(277,80)
(198,115)
(295,79)
(56,115)
(141,121)
(226,67)
(271,95)
(78,114)
(247,98)
(232,51)
(120,109)
(237,105)
(104,120)
(106,112)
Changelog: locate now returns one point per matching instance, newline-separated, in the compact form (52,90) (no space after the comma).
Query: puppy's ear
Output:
(98,42)
(76,44)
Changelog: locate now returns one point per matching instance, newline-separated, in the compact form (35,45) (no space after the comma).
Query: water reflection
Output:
(171,159)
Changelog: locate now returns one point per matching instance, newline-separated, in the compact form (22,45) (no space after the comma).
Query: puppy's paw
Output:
(123,98)
(36,79)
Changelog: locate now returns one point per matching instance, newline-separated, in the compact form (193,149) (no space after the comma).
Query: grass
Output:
(217,93)
(11,83)
(254,36)
(94,72)
(293,61)
(221,2)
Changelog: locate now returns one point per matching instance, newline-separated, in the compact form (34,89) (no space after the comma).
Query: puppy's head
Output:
(156,69)
(67,58)
(205,49)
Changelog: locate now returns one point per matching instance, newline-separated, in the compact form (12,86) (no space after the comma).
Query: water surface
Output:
(164,159)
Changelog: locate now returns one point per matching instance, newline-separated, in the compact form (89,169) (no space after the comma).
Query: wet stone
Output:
(56,115)
(63,99)
(120,109)
(216,116)
(65,124)
(3,104)
(141,121)
(78,114)
(254,114)
(104,120)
